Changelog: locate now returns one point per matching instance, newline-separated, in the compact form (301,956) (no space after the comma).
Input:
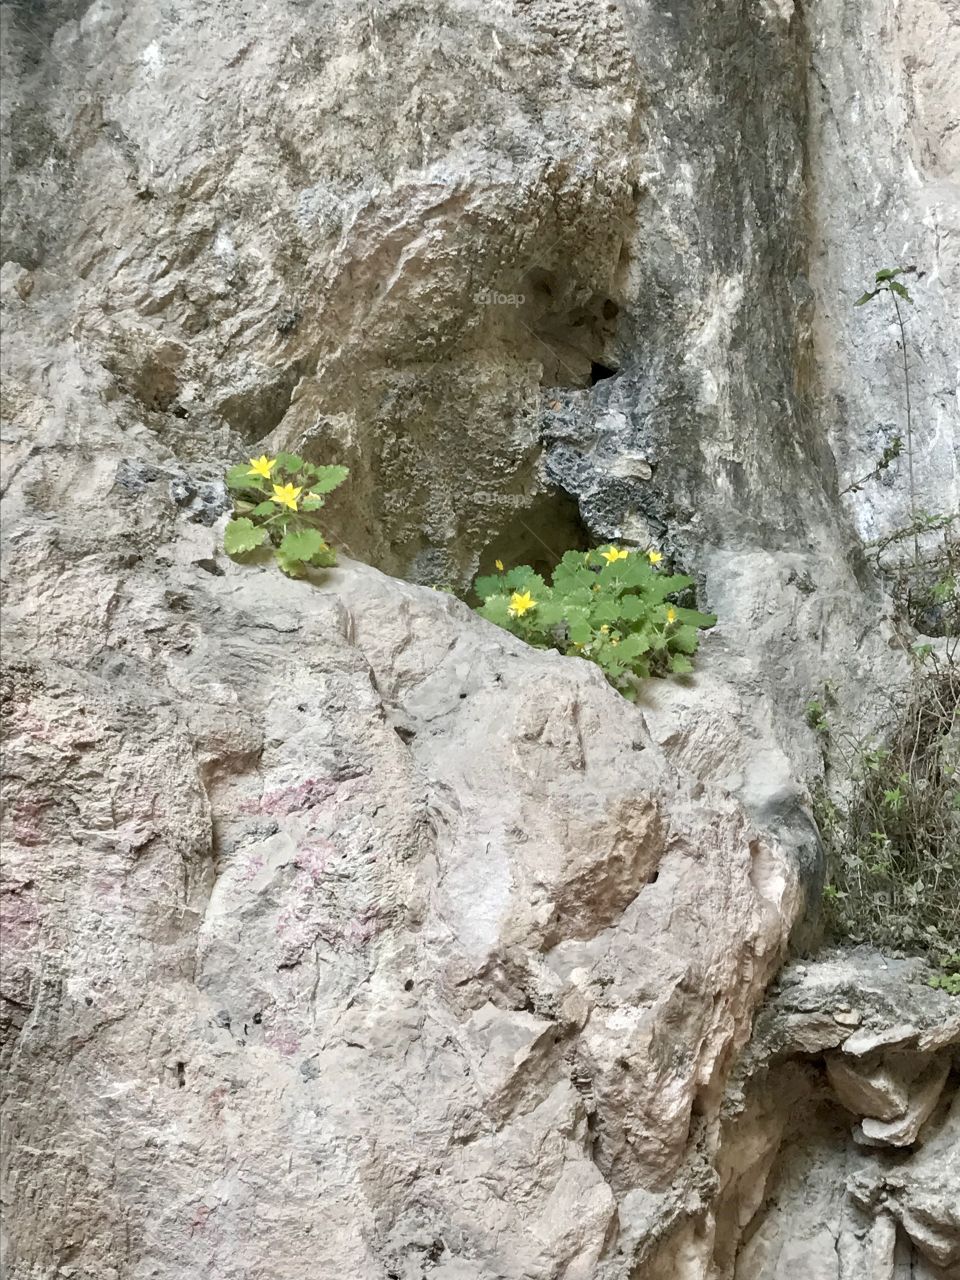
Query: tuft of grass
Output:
(892,836)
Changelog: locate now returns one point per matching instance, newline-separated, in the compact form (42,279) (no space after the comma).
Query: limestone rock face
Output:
(343,934)
(847,1069)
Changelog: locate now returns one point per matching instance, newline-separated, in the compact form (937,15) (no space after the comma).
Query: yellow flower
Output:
(671,615)
(613,554)
(287,495)
(521,602)
(614,640)
(499,564)
(654,557)
(604,629)
(262,466)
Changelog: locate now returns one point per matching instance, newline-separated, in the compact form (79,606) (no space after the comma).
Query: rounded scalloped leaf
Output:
(302,545)
(242,535)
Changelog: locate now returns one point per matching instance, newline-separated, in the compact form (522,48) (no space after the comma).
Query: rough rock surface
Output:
(344,935)
(809,1181)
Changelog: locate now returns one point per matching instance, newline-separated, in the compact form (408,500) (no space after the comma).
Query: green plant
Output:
(947,976)
(612,606)
(926,591)
(891,830)
(885,281)
(276,503)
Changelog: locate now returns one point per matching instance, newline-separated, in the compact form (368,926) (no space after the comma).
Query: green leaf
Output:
(289,565)
(312,502)
(670,586)
(684,639)
(491,585)
(496,608)
(239,477)
(579,630)
(267,508)
(695,619)
(303,545)
(679,665)
(550,612)
(325,558)
(522,578)
(605,610)
(241,536)
(290,462)
(866,297)
(888,273)
(633,608)
(633,645)
(328,478)
(900,290)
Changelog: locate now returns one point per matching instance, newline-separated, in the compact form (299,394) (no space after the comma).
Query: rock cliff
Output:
(344,935)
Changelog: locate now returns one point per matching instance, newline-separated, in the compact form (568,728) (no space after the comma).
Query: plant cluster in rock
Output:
(891,828)
(925,588)
(612,606)
(947,977)
(276,502)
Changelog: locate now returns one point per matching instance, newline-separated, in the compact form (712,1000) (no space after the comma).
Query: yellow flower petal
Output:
(654,557)
(287,495)
(499,564)
(262,466)
(521,602)
(613,554)
(671,615)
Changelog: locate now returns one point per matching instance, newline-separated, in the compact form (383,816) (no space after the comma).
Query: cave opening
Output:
(538,535)
(600,371)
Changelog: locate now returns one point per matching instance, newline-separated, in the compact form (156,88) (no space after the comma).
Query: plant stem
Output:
(906,387)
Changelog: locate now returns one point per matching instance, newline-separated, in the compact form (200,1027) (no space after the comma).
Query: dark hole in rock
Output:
(600,371)
(209,566)
(403,733)
(179,411)
(538,536)
(181,1074)
(408,985)
(654,878)
(562,326)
